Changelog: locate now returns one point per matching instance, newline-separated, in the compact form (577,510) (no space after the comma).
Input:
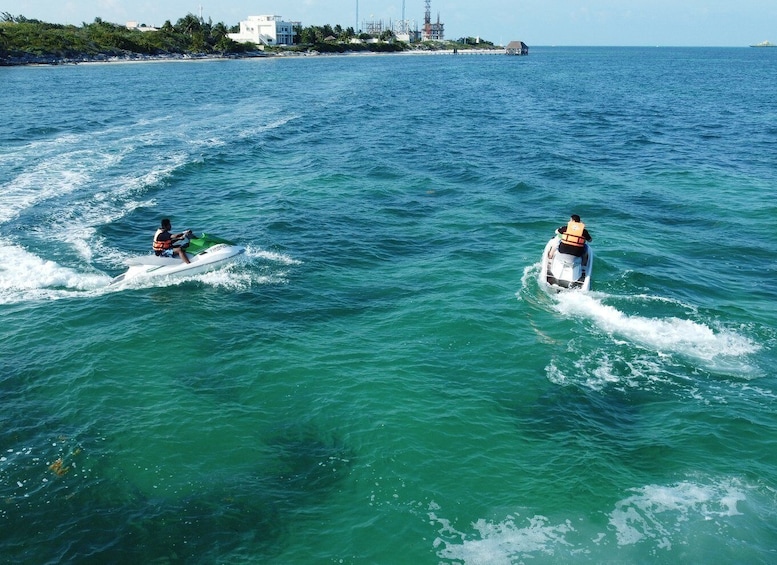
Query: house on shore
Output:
(140,27)
(265,30)
(517,48)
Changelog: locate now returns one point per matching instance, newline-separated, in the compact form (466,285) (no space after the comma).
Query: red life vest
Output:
(574,234)
(163,244)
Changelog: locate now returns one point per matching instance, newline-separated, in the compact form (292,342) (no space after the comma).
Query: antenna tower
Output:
(428,20)
(402,27)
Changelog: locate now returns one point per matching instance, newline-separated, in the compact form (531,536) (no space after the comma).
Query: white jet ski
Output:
(206,253)
(564,271)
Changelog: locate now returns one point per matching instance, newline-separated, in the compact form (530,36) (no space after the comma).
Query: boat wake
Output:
(660,328)
(664,335)
(26,277)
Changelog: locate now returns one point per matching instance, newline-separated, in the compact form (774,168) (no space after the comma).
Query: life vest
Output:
(163,244)
(574,234)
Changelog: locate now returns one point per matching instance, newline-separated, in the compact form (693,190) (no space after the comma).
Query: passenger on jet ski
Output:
(163,240)
(574,237)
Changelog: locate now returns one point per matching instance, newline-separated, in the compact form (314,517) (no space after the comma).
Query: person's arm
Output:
(587,235)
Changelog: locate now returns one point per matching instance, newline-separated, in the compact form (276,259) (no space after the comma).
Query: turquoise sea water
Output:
(381,378)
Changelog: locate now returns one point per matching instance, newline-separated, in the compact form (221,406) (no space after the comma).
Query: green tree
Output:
(188,24)
(219,30)
(198,43)
(346,35)
(23,40)
(308,35)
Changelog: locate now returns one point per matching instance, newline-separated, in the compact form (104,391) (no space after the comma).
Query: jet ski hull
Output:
(561,271)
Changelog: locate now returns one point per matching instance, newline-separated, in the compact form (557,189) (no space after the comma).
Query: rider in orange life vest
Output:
(163,240)
(573,237)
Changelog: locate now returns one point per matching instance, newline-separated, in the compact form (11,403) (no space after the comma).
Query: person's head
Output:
(575,218)
(166,225)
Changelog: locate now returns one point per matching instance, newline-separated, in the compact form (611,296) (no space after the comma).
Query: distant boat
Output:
(765,44)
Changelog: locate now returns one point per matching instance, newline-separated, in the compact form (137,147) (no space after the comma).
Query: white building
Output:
(140,27)
(265,30)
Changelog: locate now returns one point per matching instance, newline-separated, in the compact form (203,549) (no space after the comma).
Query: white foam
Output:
(234,279)
(43,182)
(599,369)
(273,256)
(657,515)
(238,275)
(51,169)
(54,168)
(25,276)
(59,172)
(499,543)
(529,273)
(656,511)
(669,335)
(277,123)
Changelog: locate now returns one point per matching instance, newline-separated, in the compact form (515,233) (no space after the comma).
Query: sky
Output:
(729,23)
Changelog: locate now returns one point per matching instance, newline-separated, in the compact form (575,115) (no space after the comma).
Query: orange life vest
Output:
(574,234)
(161,245)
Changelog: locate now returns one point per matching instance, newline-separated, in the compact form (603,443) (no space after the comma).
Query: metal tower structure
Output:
(428,20)
(373,27)
(401,27)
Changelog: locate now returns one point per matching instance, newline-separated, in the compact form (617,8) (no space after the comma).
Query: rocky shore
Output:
(31,59)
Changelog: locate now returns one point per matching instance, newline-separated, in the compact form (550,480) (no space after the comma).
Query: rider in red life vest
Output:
(163,240)
(573,237)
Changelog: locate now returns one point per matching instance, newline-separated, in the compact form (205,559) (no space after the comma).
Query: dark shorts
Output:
(571,249)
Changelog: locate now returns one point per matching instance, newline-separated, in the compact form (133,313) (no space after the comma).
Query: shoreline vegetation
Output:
(33,42)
